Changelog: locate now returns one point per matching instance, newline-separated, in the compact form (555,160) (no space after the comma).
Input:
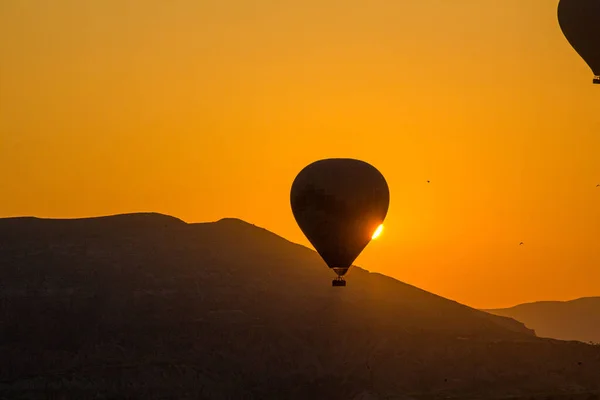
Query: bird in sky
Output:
(598,185)
(521,244)
(428,182)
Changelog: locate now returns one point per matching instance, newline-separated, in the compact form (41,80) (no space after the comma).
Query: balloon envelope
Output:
(580,23)
(339,203)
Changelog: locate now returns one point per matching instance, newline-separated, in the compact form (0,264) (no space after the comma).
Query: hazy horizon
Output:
(204,110)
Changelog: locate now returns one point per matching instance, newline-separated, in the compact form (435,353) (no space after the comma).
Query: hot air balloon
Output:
(339,204)
(580,23)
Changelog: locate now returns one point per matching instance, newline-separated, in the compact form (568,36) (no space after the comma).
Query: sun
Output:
(377,232)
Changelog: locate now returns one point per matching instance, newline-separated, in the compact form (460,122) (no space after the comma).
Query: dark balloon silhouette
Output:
(580,23)
(339,204)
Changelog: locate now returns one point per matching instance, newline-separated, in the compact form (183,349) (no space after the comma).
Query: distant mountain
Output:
(147,306)
(567,320)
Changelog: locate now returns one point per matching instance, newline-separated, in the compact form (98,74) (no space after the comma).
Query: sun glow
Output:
(377,232)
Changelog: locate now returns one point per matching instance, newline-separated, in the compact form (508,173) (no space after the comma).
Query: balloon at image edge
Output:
(579,21)
(338,204)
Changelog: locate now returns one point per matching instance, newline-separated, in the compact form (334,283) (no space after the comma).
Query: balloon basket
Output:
(596,80)
(338,282)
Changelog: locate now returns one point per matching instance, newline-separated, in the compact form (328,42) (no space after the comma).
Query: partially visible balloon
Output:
(338,204)
(580,23)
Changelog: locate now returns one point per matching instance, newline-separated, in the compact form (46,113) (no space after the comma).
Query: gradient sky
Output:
(208,109)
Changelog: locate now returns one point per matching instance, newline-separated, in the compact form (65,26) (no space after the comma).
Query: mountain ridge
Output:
(539,302)
(577,319)
(146,306)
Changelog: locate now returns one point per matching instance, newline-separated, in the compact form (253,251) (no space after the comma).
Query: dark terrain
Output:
(566,320)
(147,306)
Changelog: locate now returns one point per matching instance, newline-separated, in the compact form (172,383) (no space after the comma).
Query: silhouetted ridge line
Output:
(239,312)
(549,302)
(145,217)
(577,319)
(236,226)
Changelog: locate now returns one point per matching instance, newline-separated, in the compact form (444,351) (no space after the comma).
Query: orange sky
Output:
(207,109)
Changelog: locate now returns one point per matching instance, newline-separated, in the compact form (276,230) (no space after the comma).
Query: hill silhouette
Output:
(147,306)
(567,320)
